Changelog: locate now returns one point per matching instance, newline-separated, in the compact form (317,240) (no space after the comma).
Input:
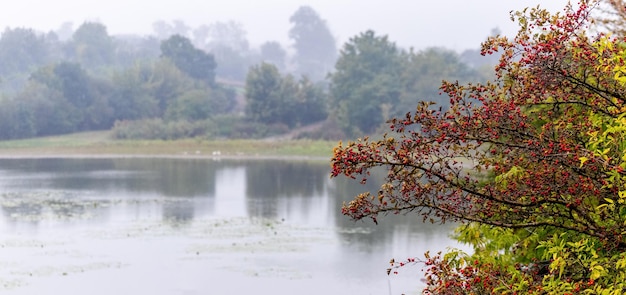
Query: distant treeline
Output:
(208,82)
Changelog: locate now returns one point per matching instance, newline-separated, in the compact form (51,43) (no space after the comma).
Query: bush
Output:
(328,130)
(163,130)
(240,127)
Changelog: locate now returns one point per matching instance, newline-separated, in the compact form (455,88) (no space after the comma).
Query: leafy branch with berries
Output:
(531,164)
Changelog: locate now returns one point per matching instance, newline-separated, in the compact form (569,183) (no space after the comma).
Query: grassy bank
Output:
(100,144)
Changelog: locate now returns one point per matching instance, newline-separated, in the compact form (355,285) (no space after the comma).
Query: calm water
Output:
(196,226)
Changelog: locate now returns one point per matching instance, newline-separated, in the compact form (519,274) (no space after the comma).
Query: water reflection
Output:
(231,197)
(109,193)
(183,189)
(167,177)
(278,189)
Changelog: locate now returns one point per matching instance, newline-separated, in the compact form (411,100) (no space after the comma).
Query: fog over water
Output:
(454,24)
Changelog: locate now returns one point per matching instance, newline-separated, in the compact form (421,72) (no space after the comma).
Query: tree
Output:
(131,98)
(92,46)
(533,164)
(52,113)
(74,82)
(273,99)
(264,102)
(272,52)
(316,49)
(22,50)
(423,73)
(227,41)
(16,120)
(132,49)
(365,82)
(194,105)
(86,96)
(164,81)
(233,64)
(190,60)
(310,101)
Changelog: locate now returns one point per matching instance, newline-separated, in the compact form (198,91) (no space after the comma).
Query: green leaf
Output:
(596,272)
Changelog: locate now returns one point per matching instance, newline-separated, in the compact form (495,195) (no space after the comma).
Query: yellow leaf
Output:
(583,160)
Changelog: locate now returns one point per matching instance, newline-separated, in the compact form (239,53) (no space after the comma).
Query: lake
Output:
(197,226)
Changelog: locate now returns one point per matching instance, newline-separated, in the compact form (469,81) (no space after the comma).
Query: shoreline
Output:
(99,145)
(191,156)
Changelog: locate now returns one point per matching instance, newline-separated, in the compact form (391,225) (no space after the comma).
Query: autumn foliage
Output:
(533,165)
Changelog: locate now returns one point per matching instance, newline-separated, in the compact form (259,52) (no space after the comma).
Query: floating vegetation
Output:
(39,206)
(36,206)
(67,269)
(216,240)
(12,284)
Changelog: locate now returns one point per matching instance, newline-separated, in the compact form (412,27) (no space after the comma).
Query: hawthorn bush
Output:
(532,164)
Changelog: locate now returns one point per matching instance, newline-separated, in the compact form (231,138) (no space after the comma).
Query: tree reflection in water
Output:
(104,193)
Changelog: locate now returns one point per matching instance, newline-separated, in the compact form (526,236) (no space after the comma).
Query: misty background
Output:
(236,69)
(454,24)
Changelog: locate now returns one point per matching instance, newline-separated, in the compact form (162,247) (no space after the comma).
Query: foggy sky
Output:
(454,24)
